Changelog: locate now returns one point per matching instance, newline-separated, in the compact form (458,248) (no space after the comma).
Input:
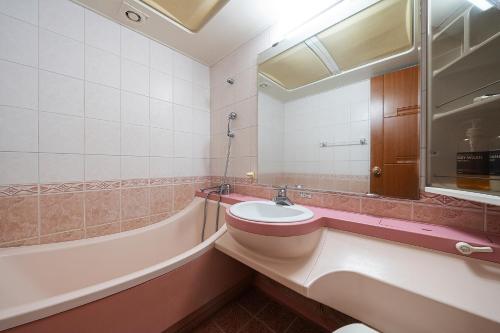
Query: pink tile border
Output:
(18,190)
(61,188)
(102,185)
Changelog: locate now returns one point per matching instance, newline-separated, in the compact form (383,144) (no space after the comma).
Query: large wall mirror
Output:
(338,104)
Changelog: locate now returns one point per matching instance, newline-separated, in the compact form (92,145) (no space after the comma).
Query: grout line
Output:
(39,214)
(291,323)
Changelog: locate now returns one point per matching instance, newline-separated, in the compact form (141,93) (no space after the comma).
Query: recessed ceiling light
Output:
(133,16)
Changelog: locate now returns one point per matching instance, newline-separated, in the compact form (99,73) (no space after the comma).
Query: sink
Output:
(270,212)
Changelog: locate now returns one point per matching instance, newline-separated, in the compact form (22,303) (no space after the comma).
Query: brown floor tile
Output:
(276,317)
(253,301)
(255,326)
(207,327)
(300,325)
(231,318)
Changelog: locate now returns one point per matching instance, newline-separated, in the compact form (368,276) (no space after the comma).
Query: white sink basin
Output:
(268,211)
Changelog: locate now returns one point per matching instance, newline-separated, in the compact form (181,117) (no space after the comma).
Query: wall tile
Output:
(101,32)
(387,208)
(135,140)
(161,142)
(183,195)
(135,108)
(61,212)
(102,137)
(134,46)
(102,230)
(342,202)
(25,164)
(161,199)
(18,218)
(19,41)
(183,119)
(102,167)
(183,144)
(102,207)
(135,223)
(102,102)
(135,77)
(183,167)
(18,129)
(61,54)
(161,167)
(161,114)
(18,85)
(161,57)
(465,218)
(63,17)
(135,202)
(161,86)
(60,94)
(201,75)
(182,92)
(64,236)
(134,167)
(102,67)
(183,67)
(26,10)
(61,168)
(60,133)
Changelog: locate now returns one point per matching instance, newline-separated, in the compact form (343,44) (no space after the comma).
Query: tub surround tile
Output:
(64,236)
(61,212)
(135,223)
(102,207)
(18,218)
(183,195)
(161,199)
(135,202)
(61,188)
(22,242)
(160,217)
(18,190)
(102,230)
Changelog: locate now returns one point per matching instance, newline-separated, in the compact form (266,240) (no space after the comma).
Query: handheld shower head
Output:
(232,116)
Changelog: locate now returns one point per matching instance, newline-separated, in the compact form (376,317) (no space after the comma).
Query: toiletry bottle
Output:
(473,159)
(494,163)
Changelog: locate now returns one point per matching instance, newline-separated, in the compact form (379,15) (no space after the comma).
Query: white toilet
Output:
(355,328)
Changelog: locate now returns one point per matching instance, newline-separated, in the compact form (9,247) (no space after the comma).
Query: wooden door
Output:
(394,116)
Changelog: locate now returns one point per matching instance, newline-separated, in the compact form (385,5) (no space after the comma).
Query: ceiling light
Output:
(133,16)
(481,4)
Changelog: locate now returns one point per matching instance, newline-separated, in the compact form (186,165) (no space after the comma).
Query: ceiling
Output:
(236,23)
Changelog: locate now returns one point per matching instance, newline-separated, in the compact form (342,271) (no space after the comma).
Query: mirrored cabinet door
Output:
(464,97)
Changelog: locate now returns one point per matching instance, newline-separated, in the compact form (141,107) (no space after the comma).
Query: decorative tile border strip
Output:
(161,181)
(139,182)
(61,188)
(102,185)
(18,190)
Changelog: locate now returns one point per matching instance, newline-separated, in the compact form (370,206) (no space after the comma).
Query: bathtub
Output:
(149,277)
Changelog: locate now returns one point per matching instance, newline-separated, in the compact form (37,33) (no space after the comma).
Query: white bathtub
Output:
(42,280)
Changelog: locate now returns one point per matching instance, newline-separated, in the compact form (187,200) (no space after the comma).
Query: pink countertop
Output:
(431,236)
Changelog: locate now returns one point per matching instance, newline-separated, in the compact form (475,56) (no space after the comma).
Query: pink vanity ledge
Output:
(436,237)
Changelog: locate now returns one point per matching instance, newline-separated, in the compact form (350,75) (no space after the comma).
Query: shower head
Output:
(232,116)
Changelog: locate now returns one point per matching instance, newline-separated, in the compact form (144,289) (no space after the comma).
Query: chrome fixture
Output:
(230,81)
(224,188)
(362,141)
(263,85)
(281,197)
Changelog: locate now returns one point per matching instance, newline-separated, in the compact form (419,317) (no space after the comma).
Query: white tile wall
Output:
(336,116)
(83,98)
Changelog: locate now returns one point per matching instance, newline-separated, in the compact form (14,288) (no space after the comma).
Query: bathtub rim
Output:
(25,313)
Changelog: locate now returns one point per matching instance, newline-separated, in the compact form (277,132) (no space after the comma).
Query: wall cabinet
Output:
(463,116)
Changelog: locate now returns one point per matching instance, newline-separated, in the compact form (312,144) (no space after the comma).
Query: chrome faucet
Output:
(281,197)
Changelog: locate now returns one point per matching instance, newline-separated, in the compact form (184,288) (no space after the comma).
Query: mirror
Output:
(315,96)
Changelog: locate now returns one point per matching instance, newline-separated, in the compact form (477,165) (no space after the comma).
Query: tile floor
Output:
(254,312)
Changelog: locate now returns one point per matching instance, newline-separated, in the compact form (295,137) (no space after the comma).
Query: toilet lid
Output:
(355,328)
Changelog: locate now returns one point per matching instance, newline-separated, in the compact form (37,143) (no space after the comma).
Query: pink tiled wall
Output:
(101,128)
(74,211)
(430,208)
